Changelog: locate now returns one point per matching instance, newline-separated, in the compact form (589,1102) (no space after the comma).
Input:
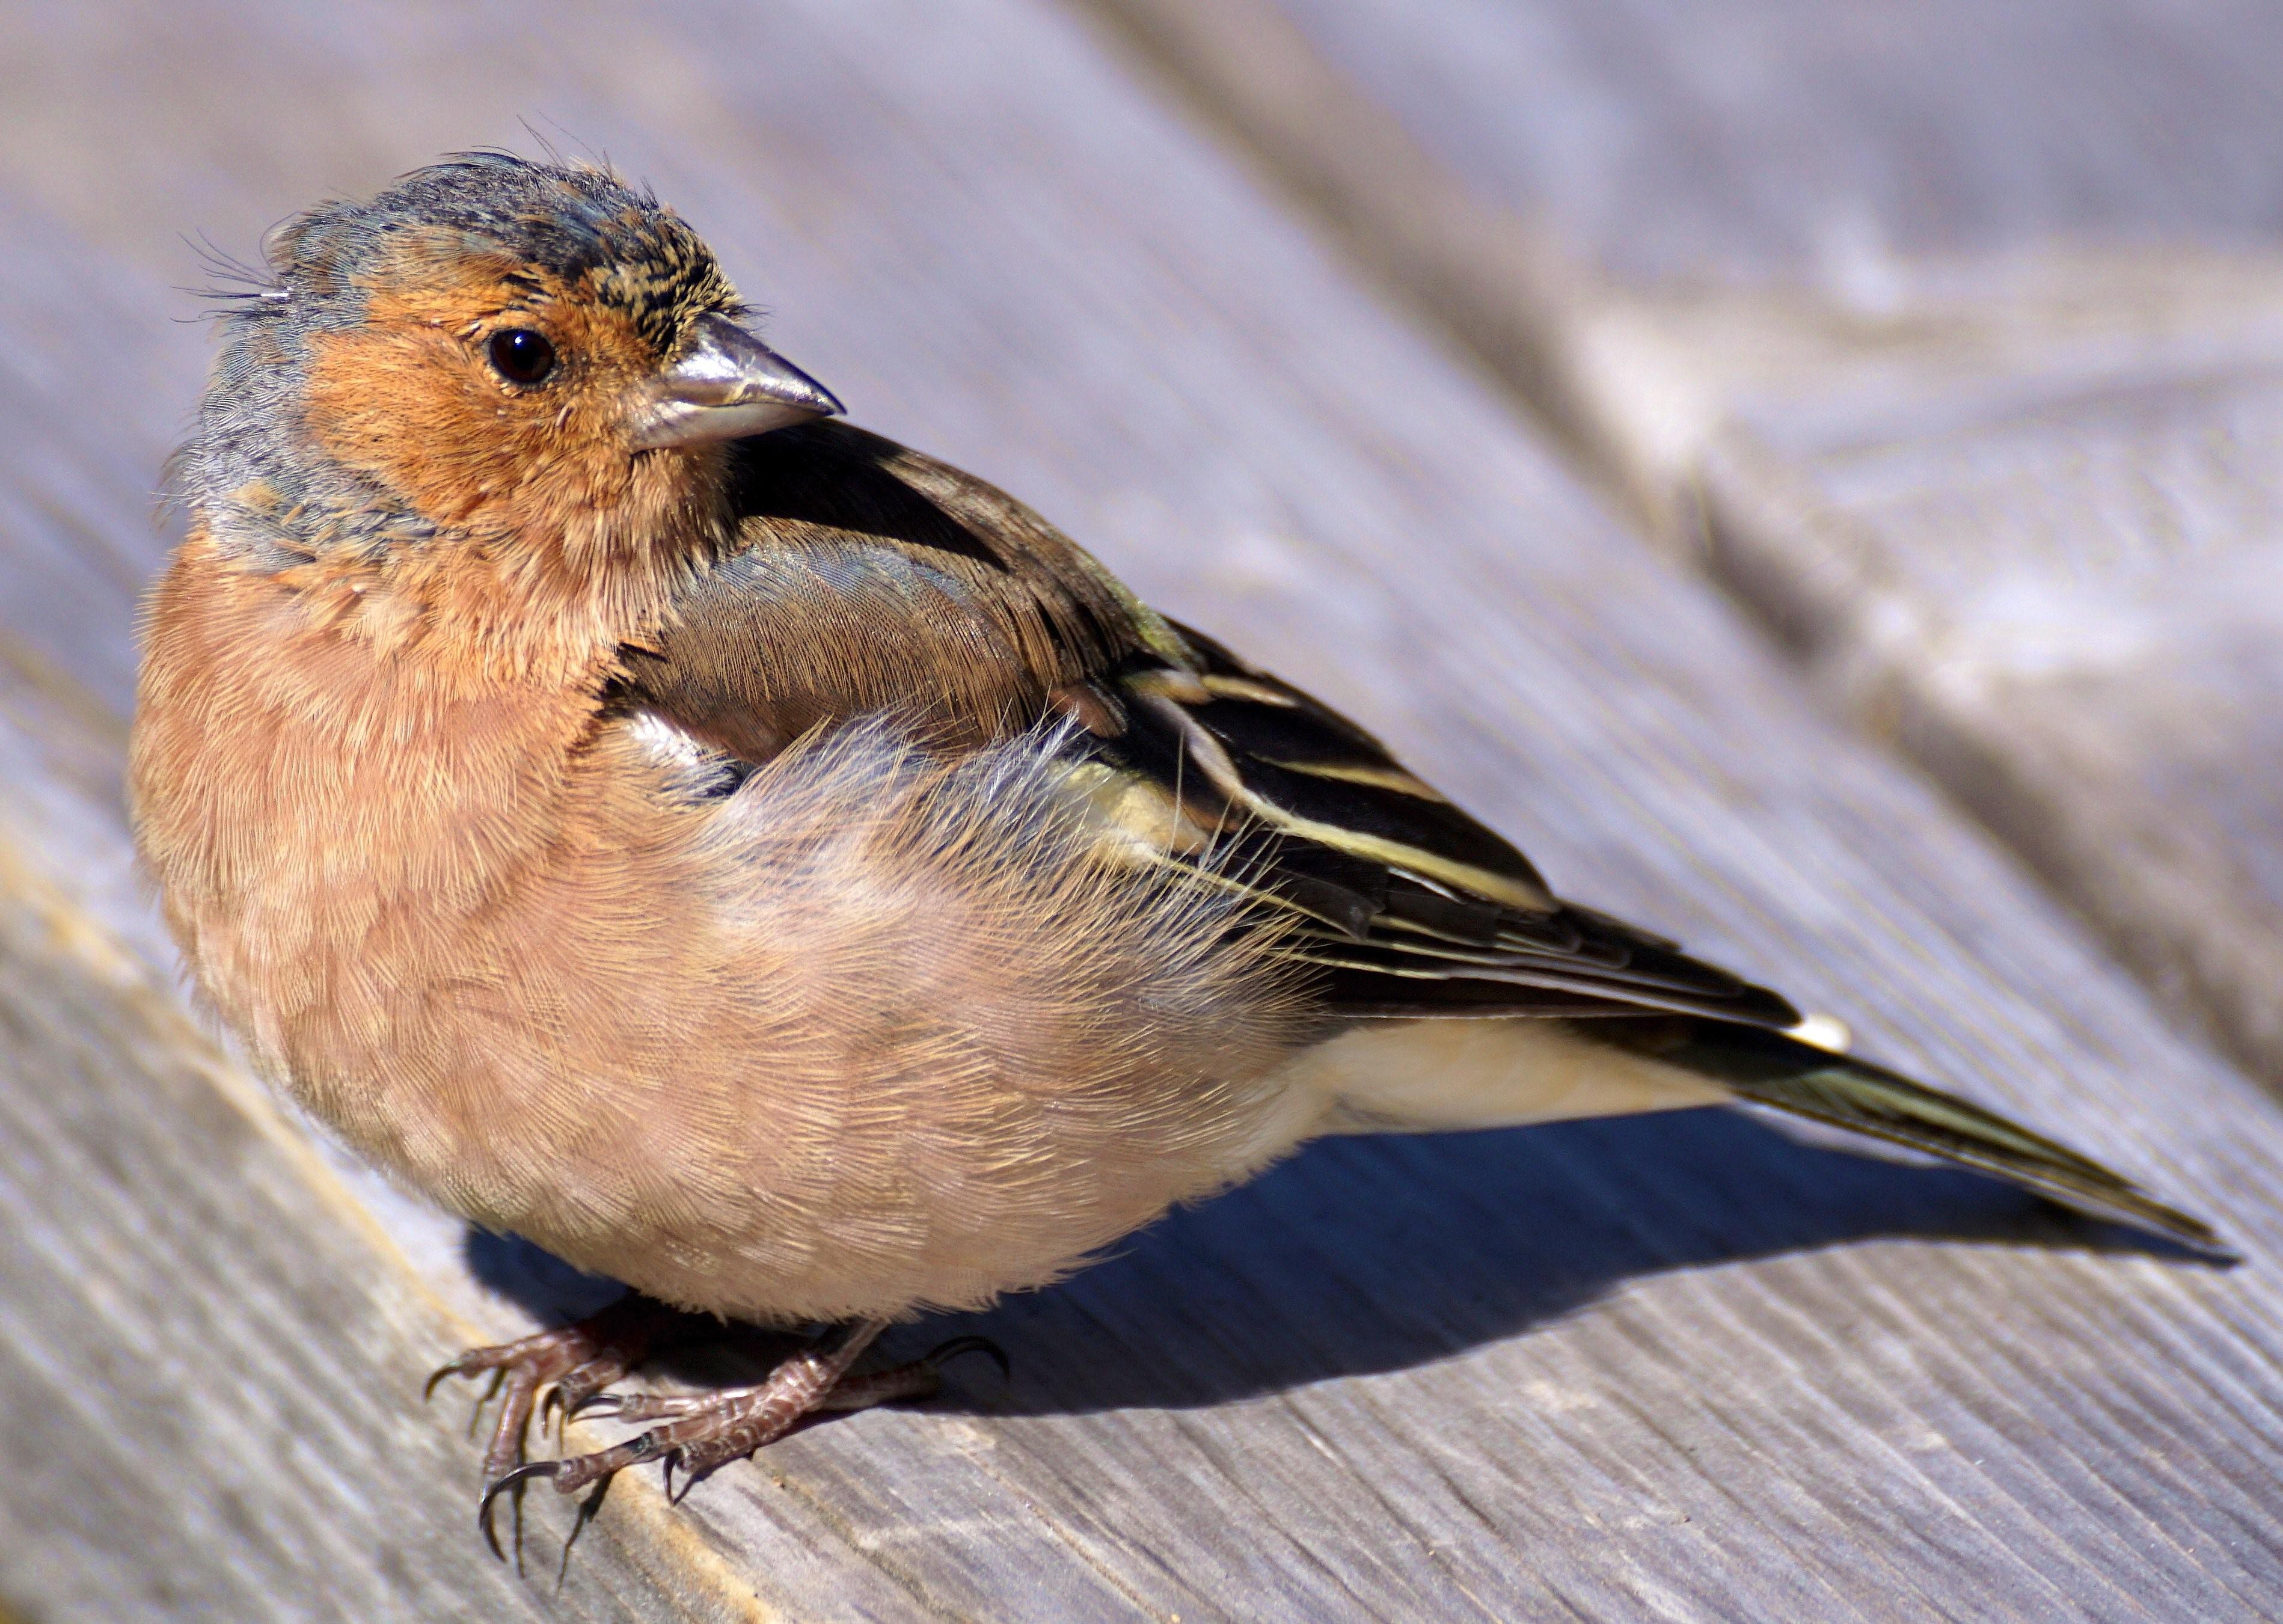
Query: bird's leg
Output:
(918,1379)
(701,1432)
(580,1360)
(721,1427)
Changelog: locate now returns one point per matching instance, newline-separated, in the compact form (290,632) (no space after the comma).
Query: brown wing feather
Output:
(867,578)
(870,579)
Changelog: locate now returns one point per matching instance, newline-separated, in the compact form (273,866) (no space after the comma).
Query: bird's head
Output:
(520,354)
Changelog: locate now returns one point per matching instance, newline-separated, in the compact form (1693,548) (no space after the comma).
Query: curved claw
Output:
(475,1362)
(500,1486)
(599,1403)
(457,1367)
(944,1353)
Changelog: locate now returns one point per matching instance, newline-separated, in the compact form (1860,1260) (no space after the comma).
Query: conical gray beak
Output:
(726,385)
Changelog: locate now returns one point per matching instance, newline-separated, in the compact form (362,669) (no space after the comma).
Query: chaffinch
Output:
(770,867)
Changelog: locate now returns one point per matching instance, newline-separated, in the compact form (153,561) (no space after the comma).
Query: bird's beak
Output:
(726,385)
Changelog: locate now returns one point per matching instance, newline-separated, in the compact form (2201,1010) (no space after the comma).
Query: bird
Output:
(770,867)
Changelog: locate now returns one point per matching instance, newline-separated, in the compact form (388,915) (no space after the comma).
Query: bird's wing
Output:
(1408,905)
(866,578)
(870,579)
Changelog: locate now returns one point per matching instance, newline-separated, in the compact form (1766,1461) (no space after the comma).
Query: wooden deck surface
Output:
(1681,1367)
(1950,335)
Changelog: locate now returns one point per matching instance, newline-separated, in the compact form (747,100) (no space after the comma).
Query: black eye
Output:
(521,355)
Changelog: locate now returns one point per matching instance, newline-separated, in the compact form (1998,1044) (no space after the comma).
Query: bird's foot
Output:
(702,1431)
(573,1364)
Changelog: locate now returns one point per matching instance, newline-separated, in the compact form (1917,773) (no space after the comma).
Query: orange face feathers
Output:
(494,400)
(491,400)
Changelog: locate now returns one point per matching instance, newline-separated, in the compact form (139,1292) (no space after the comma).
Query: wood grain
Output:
(1682,1366)
(1740,253)
(2069,609)
(1781,142)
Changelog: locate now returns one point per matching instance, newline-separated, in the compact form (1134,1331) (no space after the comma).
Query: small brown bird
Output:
(765,865)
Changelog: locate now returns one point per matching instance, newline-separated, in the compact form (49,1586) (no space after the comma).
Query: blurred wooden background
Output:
(1614,404)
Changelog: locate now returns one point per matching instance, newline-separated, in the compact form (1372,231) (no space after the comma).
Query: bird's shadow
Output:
(1365,1256)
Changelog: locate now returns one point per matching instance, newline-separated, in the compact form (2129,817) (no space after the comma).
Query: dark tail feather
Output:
(1771,1069)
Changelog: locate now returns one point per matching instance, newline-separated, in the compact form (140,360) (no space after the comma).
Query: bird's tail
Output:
(1770,1068)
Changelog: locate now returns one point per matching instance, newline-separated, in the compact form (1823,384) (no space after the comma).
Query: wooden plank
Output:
(2072,609)
(1770,142)
(1681,1365)
(1744,255)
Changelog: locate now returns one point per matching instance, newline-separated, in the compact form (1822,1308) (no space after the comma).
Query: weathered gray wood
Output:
(2073,611)
(1737,251)
(1786,142)
(1678,1367)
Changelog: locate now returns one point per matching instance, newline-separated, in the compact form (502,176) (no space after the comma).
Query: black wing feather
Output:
(1410,906)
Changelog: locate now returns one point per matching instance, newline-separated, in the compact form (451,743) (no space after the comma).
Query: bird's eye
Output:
(521,355)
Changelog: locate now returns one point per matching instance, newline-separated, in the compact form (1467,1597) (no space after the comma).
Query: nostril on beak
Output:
(728,385)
